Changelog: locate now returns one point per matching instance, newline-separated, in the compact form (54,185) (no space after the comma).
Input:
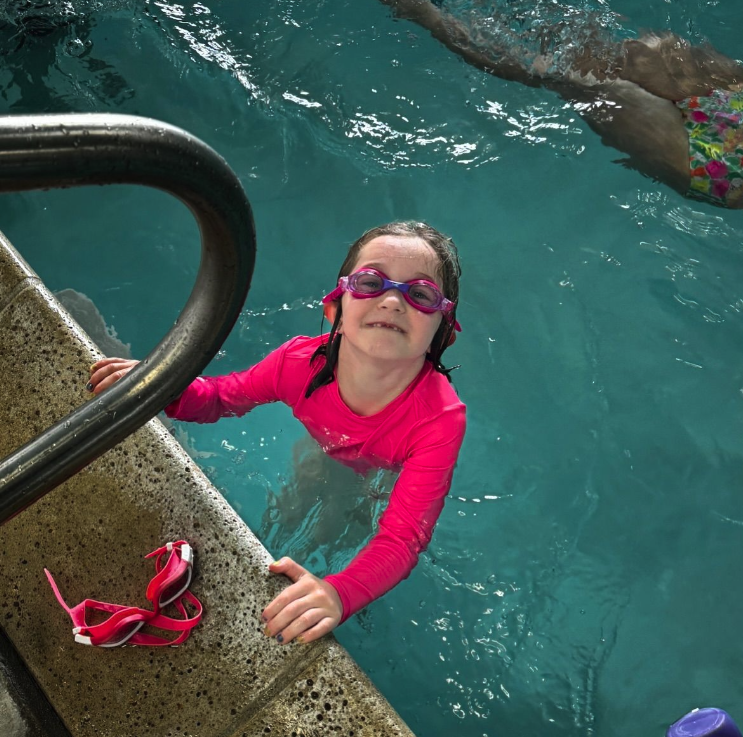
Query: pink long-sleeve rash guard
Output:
(418,435)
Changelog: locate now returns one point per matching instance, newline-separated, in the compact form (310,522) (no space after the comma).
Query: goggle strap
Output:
(167,548)
(61,601)
(176,625)
(182,558)
(142,639)
(167,623)
(106,631)
(337,293)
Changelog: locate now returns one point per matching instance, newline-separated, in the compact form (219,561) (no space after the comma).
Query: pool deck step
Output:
(24,710)
(93,531)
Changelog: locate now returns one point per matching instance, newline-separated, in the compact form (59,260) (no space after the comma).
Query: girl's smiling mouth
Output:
(387,325)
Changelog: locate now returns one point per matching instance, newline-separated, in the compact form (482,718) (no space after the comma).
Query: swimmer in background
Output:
(674,109)
(373,393)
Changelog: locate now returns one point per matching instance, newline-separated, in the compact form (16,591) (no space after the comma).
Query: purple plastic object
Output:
(704,723)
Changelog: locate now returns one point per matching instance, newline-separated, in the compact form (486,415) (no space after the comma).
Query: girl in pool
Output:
(676,110)
(374,394)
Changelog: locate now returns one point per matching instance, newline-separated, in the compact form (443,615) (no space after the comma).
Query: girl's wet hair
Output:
(449,272)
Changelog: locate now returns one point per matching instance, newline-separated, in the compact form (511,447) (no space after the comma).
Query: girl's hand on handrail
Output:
(304,611)
(107,372)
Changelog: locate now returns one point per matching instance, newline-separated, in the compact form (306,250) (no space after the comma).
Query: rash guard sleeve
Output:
(208,398)
(407,524)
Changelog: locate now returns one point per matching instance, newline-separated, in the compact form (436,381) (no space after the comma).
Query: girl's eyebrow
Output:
(380,267)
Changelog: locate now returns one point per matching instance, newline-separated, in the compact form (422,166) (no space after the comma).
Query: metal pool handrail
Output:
(45,151)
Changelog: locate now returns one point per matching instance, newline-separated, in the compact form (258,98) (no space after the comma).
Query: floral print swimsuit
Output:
(715,127)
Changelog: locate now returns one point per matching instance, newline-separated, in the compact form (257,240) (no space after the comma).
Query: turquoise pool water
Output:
(584,578)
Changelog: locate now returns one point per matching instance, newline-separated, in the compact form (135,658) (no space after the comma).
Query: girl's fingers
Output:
(108,372)
(105,362)
(308,609)
(110,380)
(286,606)
(325,625)
(311,604)
(287,614)
(297,590)
(305,622)
(289,568)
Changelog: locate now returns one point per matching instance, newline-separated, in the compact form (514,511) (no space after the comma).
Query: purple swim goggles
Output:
(422,294)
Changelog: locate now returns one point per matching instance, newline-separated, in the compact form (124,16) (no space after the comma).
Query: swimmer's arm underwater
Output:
(451,33)
(647,128)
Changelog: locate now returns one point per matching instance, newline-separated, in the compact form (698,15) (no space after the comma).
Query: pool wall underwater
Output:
(93,532)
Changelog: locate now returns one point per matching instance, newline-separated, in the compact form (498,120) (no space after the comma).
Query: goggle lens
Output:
(369,282)
(171,592)
(365,282)
(424,295)
(123,634)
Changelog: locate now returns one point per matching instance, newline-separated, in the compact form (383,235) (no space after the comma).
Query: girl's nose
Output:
(393,298)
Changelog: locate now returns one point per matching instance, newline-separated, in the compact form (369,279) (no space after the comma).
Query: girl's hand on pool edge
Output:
(304,611)
(107,372)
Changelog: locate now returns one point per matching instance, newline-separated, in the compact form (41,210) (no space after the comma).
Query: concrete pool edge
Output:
(92,533)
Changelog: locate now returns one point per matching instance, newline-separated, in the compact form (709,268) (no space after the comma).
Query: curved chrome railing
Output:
(48,151)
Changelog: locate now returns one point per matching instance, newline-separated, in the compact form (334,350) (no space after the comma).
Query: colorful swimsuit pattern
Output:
(715,127)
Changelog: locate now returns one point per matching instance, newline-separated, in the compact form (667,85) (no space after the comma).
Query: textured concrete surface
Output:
(330,697)
(24,710)
(93,532)
(15,723)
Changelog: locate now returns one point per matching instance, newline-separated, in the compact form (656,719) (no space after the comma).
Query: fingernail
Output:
(89,387)
(266,632)
(92,368)
(279,638)
(299,639)
(264,618)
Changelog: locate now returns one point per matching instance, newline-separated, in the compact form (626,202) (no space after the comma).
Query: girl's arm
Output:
(312,607)
(407,524)
(208,398)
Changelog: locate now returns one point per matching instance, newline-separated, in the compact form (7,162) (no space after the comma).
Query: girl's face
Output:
(387,327)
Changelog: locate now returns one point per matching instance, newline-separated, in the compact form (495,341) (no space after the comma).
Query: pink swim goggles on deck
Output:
(422,294)
(170,585)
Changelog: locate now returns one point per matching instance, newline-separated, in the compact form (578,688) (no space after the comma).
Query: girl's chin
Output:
(383,344)
(383,350)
